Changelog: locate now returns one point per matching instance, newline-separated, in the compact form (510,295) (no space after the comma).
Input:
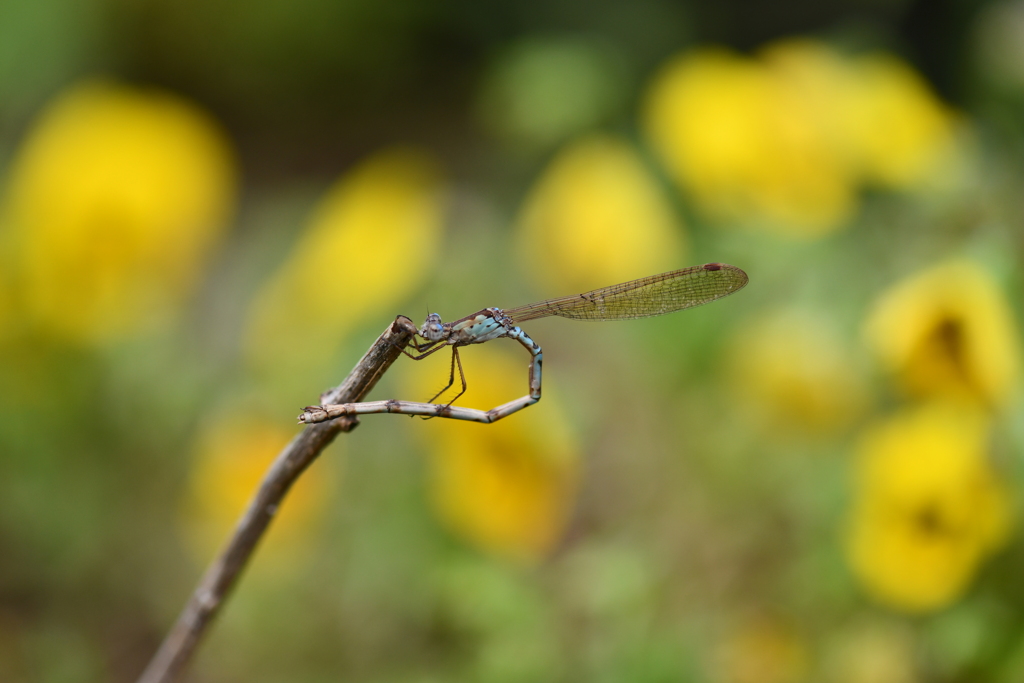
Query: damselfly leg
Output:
(451,378)
(426,349)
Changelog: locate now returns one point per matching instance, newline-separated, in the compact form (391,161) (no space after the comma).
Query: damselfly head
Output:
(432,329)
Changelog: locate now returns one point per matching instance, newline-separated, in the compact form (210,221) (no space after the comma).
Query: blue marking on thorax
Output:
(478,329)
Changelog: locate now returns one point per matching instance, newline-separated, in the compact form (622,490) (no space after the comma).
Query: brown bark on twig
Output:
(223,573)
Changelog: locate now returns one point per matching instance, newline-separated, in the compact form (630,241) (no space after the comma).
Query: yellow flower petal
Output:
(507,487)
(597,217)
(785,139)
(948,331)
(928,506)
(748,142)
(371,240)
(903,135)
(115,200)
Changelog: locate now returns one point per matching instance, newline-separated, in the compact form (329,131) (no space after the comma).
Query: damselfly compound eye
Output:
(432,329)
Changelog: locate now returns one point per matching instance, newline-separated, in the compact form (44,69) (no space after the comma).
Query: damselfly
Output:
(654,295)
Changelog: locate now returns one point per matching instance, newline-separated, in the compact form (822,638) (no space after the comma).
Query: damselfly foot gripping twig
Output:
(649,296)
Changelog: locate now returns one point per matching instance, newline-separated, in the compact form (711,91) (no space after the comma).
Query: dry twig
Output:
(223,573)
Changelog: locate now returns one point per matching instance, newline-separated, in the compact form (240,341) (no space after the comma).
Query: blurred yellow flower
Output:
(948,331)
(784,140)
(898,131)
(928,507)
(795,371)
(595,217)
(508,487)
(115,200)
(762,651)
(230,458)
(747,143)
(878,114)
(370,241)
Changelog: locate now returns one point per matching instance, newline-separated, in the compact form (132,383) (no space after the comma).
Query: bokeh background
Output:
(211,209)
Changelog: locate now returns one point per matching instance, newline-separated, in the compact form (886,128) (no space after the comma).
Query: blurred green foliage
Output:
(208,211)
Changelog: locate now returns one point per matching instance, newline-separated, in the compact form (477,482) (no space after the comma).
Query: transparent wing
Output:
(653,295)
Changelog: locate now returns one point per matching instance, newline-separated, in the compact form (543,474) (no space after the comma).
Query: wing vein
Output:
(654,295)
